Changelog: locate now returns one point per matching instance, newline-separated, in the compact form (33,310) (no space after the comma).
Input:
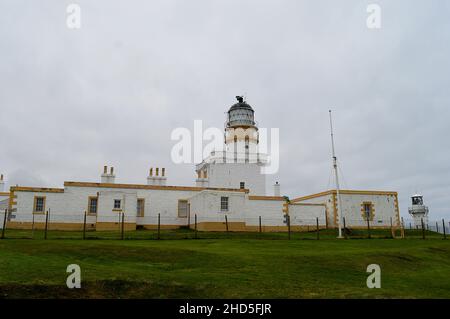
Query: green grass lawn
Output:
(227,266)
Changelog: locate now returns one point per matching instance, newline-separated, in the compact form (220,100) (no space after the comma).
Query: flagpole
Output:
(339,204)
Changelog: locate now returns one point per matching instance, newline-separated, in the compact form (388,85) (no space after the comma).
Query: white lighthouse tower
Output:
(418,210)
(239,164)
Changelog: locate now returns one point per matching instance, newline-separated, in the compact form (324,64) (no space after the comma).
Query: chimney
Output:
(108,178)
(2,183)
(202,178)
(157,180)
(276,189)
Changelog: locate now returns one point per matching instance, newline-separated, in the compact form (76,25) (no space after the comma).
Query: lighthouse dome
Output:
(241,114)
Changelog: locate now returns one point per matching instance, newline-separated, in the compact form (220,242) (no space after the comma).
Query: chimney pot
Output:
(112,170)
(105,169)
(276,189)
(163,171)
(157,171)
(151,171)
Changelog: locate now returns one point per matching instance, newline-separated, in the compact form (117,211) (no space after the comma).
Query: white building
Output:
(229,187)
(418,211)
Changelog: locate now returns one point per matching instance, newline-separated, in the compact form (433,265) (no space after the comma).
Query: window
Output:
(140,207)
(417,200)
(117,203)
(183,208)
(92,205)
(242,185)
(224,204)
(39,205)
(367,211)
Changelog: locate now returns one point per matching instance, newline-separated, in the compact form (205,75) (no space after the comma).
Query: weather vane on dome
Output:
(240,98)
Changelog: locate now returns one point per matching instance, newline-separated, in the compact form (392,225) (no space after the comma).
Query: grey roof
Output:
(240,106)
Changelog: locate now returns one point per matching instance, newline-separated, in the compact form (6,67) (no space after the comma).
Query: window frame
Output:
(44,199)
(89,211)
(140,209)
(187,208)
(120,205)
(224,199)
(371,213)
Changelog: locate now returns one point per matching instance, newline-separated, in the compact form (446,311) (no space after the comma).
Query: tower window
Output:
(242,185)
(224,204)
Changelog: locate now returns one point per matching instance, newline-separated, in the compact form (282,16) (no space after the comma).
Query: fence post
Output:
(189,216)
(368,228)
(345,233)
(443,228)
(226,223)
(4,224)
(46,224)
(410,226)
(317,224)
(84,226)
(159,225)
(195,226)
(289,226)
(423,228)
(403,228)
(32,227)
(122,226)
(260,228)
(392,230)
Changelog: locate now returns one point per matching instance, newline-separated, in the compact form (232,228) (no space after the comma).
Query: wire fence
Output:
(161,226)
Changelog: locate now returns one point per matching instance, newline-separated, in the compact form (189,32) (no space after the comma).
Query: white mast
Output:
(339,205)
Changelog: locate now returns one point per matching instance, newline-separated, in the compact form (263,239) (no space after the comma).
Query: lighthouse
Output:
(238,164)
(418,210)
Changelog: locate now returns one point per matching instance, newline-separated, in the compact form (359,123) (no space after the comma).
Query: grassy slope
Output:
(225,268)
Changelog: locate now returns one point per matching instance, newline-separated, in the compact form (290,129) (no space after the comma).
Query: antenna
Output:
(335,167)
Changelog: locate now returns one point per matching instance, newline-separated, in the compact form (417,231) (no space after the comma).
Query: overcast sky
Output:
(111,92)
